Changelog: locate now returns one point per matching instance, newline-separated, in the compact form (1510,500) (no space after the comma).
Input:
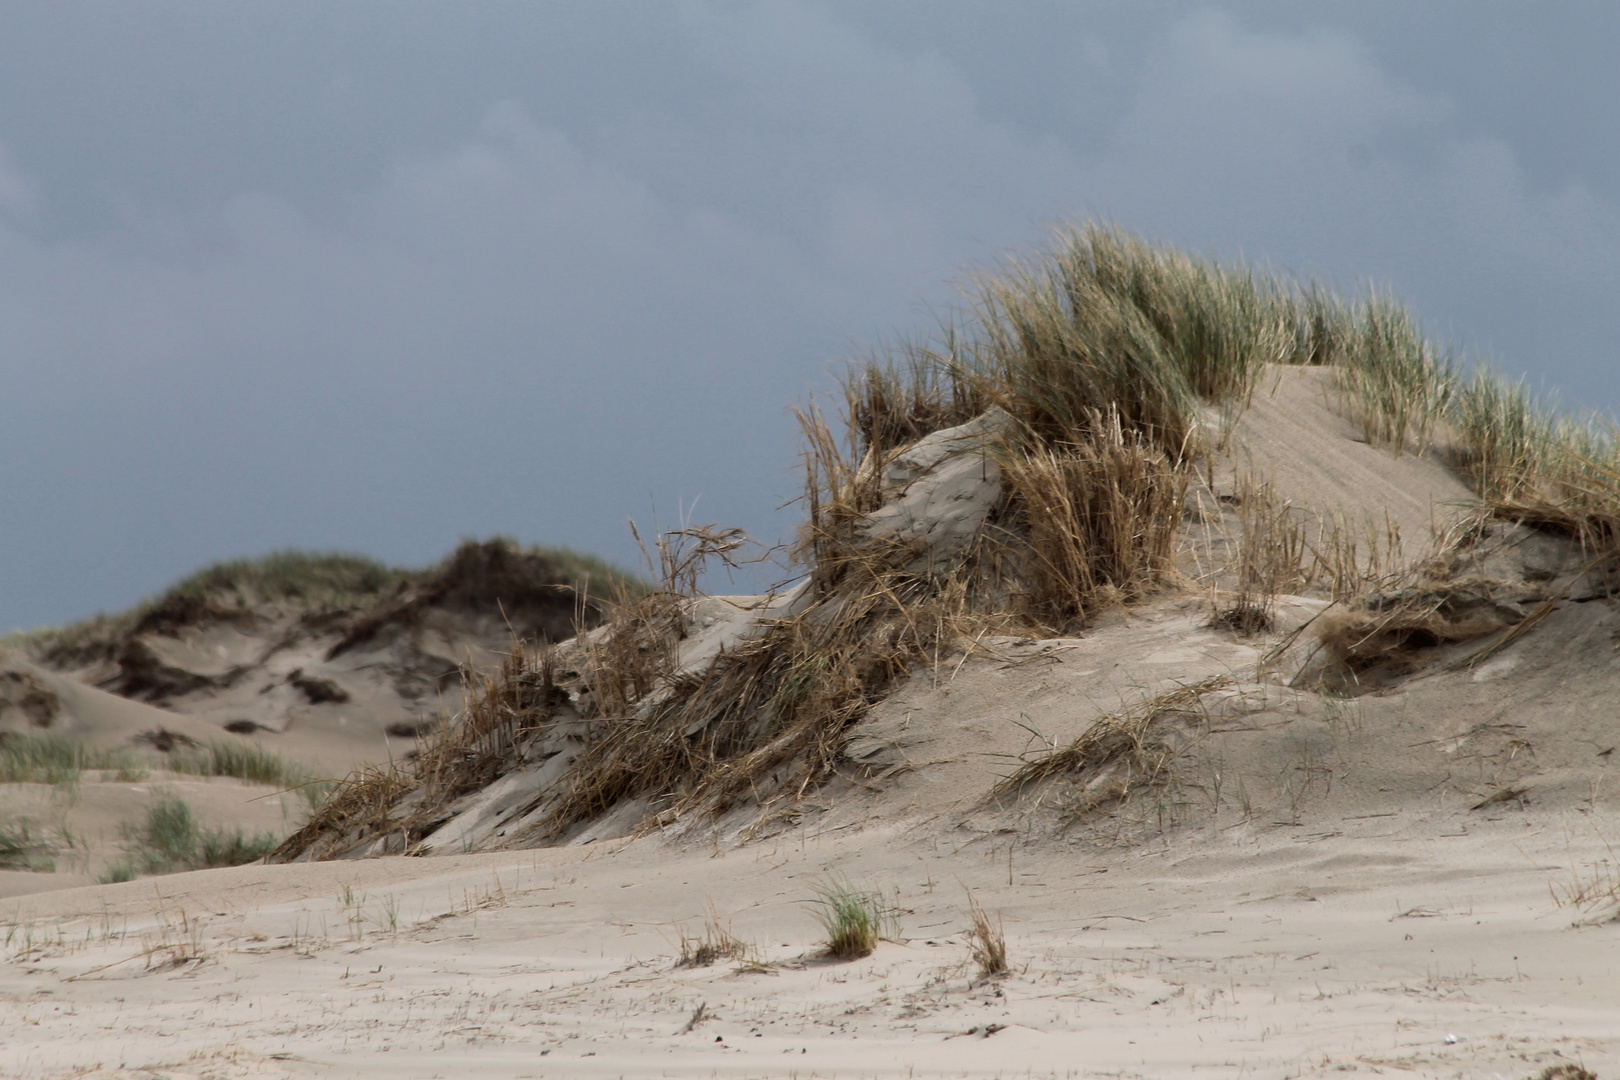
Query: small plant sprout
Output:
(853,920)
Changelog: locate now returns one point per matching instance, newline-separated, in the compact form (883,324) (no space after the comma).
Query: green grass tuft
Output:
(853,920)
(22,847)
(170,841)
(247,761)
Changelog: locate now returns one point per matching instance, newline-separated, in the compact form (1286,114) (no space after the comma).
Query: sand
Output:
(1341,906)
(1419,943)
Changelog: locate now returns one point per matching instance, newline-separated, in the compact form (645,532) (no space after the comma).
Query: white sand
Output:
(1413,944)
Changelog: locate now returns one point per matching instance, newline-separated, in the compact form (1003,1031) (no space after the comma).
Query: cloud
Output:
(576,304)
(16,193)
(1301,150)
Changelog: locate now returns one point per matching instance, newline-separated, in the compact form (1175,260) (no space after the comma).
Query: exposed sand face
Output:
(1293,433)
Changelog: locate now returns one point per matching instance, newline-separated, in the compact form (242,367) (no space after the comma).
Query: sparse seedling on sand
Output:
(986,942)
(1592,887)
(853,920)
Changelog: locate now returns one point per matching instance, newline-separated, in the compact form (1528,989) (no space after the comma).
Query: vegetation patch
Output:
(24,846)
(854,921)
(987,943)
(59,759)
(170,840)
(714,944)
(353,589)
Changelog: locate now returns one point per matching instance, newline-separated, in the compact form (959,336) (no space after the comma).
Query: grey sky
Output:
(377,277)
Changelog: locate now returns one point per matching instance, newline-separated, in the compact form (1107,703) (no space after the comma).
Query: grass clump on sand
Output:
(987,944)
(169,841)
(854,921)
(24,847)
(252,764)
(59,759)
(715,943)
(247,761)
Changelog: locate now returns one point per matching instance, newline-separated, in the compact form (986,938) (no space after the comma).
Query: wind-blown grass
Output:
(1102,325)
(23,846)
(247,761)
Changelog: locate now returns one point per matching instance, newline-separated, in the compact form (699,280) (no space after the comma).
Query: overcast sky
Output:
(377,277)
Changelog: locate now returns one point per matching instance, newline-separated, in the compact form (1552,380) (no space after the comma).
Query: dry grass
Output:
(1097,518)
(1394,628)
(1597,884)
(1119,753)
(1566,1070)
(768,718)
(987,944)
(1269,560)
(358,808)
(715,943)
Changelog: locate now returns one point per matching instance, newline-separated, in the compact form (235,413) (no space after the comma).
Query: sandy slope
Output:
(1294,434)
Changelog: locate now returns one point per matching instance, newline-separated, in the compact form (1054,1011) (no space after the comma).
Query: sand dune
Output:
(1285,803)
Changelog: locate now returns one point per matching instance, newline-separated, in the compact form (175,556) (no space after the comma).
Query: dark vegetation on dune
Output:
(1095,367)
(545,594)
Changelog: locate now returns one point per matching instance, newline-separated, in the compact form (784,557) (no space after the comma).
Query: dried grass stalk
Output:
(1128,738)
(715,943)
(1099,517)
(1389,628)
(987,944)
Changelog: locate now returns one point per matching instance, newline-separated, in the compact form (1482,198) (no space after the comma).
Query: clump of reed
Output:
(1097,518)
(987,943)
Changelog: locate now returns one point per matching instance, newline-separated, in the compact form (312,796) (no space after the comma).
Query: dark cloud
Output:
(377,277)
